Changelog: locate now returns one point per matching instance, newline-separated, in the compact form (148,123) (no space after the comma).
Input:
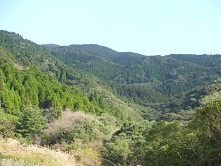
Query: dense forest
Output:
(109,107)
(149,81)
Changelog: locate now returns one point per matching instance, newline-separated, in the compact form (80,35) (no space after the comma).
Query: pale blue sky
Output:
(149,27)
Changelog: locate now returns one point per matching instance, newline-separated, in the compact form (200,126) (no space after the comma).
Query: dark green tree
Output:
(31,123)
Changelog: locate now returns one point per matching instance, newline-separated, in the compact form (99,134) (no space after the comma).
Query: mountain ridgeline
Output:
(151,81)
(28,56)
(107,107)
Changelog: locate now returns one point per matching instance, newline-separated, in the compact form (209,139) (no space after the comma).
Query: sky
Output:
(149,27)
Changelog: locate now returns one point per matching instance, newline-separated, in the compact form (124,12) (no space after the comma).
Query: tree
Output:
(31,123)
(7,124)
(207,125)
(118,150)
(1,80)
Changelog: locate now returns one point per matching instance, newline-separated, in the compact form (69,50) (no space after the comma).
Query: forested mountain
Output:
(145,80)
(28,54)
(123,58)
(36,90)
(149,81)
(202,60)
(109,108)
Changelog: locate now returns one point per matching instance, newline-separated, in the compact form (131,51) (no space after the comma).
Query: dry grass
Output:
(68,120)
(73,116)
(18,66)
(13,153)
(86,157)
(11,162)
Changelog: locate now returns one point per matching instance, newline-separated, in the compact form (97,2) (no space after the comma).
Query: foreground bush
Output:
(169,143)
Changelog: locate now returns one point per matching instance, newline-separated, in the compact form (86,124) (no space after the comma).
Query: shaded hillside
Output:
(93,58)
(197,97)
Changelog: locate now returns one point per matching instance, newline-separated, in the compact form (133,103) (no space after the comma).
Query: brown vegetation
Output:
(11,151)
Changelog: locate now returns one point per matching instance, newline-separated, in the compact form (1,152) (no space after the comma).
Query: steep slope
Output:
(37,91)
(195,98)
(28,54)
(144,81)
(26,86)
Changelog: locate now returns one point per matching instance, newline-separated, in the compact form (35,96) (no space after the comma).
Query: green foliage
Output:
(169,143)
(126,145)
(148,81)
(140,93)
(208,125)
(31,123)
(7,124)
(202,60)
(32,87)
(35,88)
(166,83)
(82,52)
(75,129)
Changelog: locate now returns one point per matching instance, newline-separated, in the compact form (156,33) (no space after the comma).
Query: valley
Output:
(109,107)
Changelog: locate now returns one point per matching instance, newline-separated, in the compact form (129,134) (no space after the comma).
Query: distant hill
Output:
(146,80)
(213,61)
(50,46)
(24,53)
(122,58)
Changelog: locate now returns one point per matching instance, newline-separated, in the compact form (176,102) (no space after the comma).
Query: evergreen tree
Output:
(31,123)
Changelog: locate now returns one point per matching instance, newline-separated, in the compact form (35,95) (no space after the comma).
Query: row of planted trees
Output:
(29,99)
(31,87)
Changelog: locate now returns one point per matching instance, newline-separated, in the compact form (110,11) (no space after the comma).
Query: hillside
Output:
(149,81)
(202,60)
(146,81)
(122,58)
(14,153)
(103,107)
(28,54)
